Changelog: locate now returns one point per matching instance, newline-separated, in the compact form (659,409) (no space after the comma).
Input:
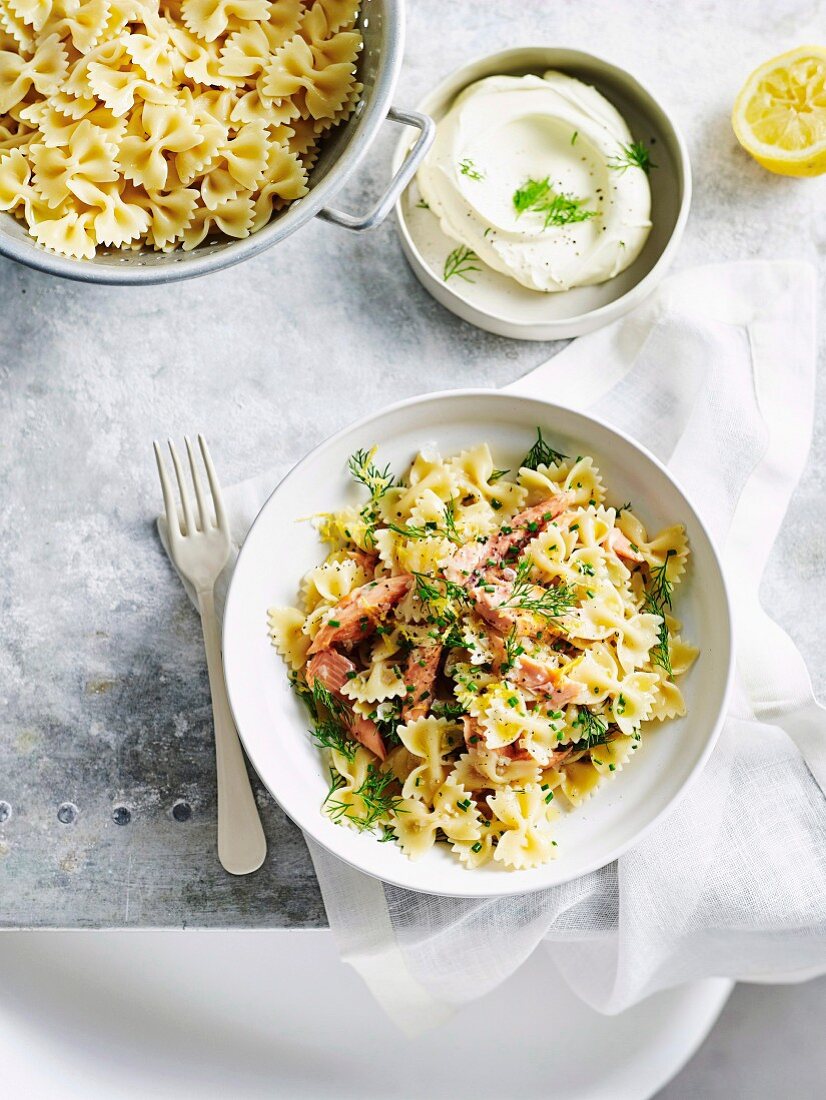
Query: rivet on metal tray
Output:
(181,811)
(5,812)
(121,815)
(67,813)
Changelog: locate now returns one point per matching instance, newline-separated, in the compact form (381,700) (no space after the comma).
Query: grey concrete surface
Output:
(103,695)
(767,1043)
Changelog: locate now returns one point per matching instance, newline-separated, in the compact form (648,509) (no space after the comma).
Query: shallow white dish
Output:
(499,304)
(279,550)
(115,1016)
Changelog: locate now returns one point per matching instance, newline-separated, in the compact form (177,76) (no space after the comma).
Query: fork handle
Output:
(242,845)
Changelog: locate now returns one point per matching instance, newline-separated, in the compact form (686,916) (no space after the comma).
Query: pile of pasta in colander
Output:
(144,123)
(478,650)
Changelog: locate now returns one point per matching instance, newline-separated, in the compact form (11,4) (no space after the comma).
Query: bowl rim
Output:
(455,82)
(513,882)
(190,265)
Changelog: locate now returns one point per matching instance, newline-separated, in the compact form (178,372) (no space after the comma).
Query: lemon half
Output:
(780,114)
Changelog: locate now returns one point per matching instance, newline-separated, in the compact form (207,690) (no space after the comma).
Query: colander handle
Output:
(398,183)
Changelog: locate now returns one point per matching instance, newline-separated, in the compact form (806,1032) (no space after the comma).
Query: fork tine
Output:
(173,523)
(186,505)
(217,499)
(203,515)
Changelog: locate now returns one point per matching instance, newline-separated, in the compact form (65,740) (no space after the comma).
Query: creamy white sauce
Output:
(506,130)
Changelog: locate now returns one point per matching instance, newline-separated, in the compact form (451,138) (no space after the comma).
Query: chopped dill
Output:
(531,192)
(459,262)
(496,475)
(633,155)
(422,205)
(469,169)
(541,454)
(557,209)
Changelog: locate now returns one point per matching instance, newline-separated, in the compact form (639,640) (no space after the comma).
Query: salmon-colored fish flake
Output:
(357,614)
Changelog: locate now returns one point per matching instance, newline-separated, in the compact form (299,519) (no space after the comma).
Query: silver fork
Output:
(199,545)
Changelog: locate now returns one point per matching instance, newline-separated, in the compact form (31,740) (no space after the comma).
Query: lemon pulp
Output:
(779,116)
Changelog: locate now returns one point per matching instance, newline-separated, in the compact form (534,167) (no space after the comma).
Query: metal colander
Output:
(382,26)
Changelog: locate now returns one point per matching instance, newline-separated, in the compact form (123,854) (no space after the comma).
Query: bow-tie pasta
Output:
(480,651)
(144,124)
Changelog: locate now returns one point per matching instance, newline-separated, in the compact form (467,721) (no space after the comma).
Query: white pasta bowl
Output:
(280,549)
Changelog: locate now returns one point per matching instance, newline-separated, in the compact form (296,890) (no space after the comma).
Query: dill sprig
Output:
(531,192)
(661,652)
(328,734)
(323,697)
(440,596)
(660,586)
(375,796)
(656,602)
(496,475)
(541,454)
(428,590)
(557,209)
(448,708)
(549,603)
(513,650)
(364,470)
(459,262)
(449,518)
(329,731)
(299,686)
(376,481)
(593,727)
(388,718)
(453,639)
(633,155)
(411,531)
(469,169)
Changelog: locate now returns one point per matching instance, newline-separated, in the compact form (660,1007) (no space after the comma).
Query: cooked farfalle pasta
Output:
(159,123)
(481,651)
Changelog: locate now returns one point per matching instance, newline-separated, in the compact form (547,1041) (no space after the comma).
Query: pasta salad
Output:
(480,650)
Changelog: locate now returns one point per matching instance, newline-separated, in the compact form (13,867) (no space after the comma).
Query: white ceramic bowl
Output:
(499,304)
(278,550)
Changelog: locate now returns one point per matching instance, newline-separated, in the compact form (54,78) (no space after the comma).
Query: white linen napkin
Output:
(715,375)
